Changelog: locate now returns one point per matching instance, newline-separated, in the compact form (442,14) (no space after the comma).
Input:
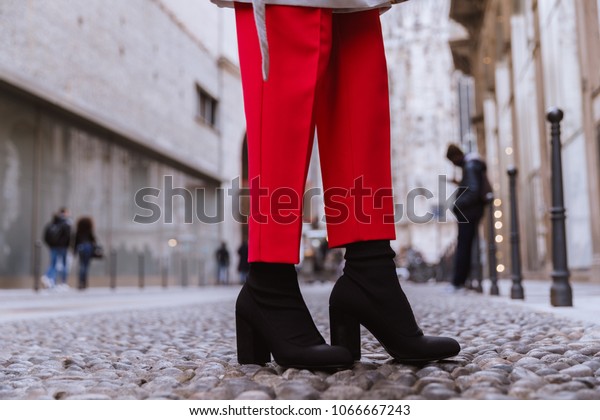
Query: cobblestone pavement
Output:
(187,352)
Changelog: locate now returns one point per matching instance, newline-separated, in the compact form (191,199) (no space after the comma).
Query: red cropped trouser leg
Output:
(327,70)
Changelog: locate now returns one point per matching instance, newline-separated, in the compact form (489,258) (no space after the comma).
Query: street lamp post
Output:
(201,270)
(37,265)
(560,292)
(141,271)
(516,291)
(164,272)
(184,272)
(113,269)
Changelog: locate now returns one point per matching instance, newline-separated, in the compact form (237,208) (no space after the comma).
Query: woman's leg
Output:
(279,115)
(463,252)
(51,272)
(84,252)
(65,268)
(84,264)
(271,315)
(353,123)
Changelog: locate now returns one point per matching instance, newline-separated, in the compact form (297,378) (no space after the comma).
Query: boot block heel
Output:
(251,347)
(345,331)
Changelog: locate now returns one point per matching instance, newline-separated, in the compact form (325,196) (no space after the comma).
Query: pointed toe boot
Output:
(272,319)
(369,294)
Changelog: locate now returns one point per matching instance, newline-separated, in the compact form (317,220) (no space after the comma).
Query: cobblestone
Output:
(188,352)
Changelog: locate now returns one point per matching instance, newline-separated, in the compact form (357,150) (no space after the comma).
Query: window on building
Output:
(207,107)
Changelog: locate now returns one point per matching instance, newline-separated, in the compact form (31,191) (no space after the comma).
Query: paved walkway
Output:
(179,344)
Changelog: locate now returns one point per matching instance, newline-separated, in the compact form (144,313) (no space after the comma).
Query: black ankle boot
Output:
(272,318)
(369,294)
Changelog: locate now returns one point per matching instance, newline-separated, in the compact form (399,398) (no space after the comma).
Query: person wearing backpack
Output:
(468,209)
(57,236)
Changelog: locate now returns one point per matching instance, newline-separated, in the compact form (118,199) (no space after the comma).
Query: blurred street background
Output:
(131,113)
(100,100)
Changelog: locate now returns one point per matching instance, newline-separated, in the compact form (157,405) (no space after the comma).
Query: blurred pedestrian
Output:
(243,265)
(222,257)
(468,209)
(57,235)
(306,65)
(84,247)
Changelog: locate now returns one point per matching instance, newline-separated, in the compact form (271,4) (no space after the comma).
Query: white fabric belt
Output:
(261,27)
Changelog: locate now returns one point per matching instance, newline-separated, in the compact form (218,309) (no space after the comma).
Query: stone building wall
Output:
(99,99)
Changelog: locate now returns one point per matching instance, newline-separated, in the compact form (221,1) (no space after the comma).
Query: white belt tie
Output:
(261,27)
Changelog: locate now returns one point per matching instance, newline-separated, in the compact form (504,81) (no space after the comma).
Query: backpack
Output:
(53,234)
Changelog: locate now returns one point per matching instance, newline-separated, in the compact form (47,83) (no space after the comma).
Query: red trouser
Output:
(326,70)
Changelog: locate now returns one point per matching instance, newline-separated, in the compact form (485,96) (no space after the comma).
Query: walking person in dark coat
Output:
(57,235)
(85,243)
(468,209)
(222,257)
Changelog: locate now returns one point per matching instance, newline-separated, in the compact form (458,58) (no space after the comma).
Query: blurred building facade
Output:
(525,56)
(425,115)
(99,99)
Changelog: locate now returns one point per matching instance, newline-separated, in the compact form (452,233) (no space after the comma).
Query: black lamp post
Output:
(560,292)
(516,291)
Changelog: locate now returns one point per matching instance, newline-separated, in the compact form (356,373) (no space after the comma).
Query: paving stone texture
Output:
(188,352)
